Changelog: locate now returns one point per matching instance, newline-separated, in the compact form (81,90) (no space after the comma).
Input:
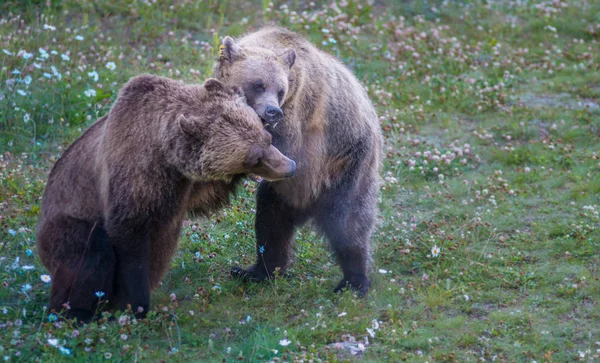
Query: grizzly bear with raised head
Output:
(114,203)
(320,116)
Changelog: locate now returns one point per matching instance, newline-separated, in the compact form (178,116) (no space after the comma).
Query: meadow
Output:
(488,244)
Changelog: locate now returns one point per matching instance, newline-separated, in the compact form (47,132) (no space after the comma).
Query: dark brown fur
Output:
(330,128)
(114,202)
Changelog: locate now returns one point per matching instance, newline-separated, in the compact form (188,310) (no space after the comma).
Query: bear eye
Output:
(259,86)
(280,95)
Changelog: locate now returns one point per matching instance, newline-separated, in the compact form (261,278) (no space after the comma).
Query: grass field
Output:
(488,245)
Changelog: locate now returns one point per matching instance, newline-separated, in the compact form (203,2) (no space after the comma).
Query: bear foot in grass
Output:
(83,316)
(250,274)
(360,285)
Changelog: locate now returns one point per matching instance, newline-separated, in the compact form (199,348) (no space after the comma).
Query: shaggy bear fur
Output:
(320,116)
(114,203)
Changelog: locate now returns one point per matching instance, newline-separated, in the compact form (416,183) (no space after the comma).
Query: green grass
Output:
(509,92)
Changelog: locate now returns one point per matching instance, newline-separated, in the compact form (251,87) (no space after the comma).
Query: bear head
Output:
(261,73)
(225,137)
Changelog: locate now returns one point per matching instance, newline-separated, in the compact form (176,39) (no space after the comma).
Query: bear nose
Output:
(273,113)
(292,170)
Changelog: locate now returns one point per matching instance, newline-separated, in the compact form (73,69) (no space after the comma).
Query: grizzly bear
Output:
(114,202)
(320,116)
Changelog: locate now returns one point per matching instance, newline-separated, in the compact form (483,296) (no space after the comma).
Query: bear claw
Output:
(361,288)
(247,274)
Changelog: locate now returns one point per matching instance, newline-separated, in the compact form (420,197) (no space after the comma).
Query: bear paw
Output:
(250,274)
(360,285)
(82,316)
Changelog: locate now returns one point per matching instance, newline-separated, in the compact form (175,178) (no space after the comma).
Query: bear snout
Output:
(292,170)
(272,114)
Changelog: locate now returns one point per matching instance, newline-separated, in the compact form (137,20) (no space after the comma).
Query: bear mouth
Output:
(255,178)
(269,125)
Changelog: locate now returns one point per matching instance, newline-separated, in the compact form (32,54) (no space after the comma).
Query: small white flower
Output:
(27,80)
(26,55)
(65,57)
(343,313)
(28,267)
(374,324)
(90,93)
(371,332)
(47,75)
(53,342)
(435,251)
(46,278)
(49,27)
(7,52)
(79,37)
(466,297)
(284,342)
(43,53)
(93,75)
(382,271)
(21,92)
(111,66)
(55,72)
(26,118)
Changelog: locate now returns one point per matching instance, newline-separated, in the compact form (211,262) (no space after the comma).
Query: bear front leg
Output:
(130,242)
(275,224)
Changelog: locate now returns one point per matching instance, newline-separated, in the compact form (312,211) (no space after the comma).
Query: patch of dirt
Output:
(349,349)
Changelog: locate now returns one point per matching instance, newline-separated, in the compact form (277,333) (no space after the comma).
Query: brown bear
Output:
(320,116)
(114,202)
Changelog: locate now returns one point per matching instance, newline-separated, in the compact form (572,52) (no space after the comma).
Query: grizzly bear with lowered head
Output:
(320,116)
(114,203)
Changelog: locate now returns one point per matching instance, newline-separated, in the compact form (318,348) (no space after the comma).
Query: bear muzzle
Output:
(274,165)
(272,115)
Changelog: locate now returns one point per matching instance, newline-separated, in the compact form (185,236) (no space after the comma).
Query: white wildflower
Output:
(90,93)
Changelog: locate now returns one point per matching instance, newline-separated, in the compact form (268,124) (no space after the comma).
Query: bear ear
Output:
(289,57)
(229,51)
(239,94)
(213,84)
(185,124)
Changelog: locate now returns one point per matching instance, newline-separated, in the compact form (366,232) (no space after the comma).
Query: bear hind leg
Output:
(348,225)
(84,280)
